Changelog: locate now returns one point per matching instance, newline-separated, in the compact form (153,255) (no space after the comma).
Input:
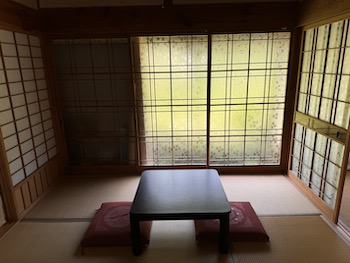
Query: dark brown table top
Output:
(182,193)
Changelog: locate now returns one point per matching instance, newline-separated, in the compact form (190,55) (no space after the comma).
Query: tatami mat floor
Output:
(52,231)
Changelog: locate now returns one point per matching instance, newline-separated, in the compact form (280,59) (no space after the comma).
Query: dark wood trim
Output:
(290,97)
(319,12)
(327,129)
(6,184)
(55,102)
(342,178)
(101,170)
(7,190)
(18,16)
(175,19)
(120,170)
(6,227)
(317,201)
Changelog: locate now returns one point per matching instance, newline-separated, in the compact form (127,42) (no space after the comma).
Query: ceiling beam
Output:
(239,17)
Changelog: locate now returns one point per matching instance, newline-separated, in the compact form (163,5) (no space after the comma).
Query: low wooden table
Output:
(180,195)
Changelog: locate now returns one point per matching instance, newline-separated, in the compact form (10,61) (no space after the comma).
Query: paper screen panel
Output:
(8,50)
(33,108)
(15,165)
(324,94)
(27,74)
(11,63)
(41,149)
(5,104)
(10,142)
(42,159)
(30,168)
(39,73)
(25,63)
(8,129)
(21,39)
(13,154)
(51,143)
(6,36)
(47,124)
(35,52)
(28,157)
(29,86)
(38,63)
(41,84)
(2,79)
(35,119)
(6,117)
(27,146)
(31,97)
(24,135)
(20,112)
(40,139)
(23,51)
(44,105)
(37,129)
(22,124)
(18,177)
(21,120)
(13,75)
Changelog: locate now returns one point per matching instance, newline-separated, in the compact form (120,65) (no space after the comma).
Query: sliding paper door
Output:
(214,100)
(248,87)
(323,111)
(171,73)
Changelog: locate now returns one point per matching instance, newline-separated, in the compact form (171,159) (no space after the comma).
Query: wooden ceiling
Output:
(39,4)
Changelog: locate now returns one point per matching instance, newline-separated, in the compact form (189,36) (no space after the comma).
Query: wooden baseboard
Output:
(317,201)
(6,227)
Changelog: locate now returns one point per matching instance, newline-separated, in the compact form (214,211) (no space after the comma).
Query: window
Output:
(207,100)
(171,73)
(248,87)
(236,117)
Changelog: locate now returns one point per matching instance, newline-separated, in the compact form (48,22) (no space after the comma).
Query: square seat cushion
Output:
(245,226)
(111,227)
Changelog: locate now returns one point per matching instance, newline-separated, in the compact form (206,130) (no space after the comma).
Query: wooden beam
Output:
(16,16)
(218,18)
(318,12)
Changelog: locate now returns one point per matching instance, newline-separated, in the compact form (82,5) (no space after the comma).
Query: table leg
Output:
(135,235)
(224,233)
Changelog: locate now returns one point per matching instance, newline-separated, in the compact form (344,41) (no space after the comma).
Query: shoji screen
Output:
(323,109)
(25,115)
(94,79)
(248,88)
(171,73)
(222,95)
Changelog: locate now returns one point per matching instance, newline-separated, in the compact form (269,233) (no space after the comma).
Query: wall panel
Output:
(32,189)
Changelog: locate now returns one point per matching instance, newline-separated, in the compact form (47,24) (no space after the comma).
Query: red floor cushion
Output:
(245,226)
(111,227)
